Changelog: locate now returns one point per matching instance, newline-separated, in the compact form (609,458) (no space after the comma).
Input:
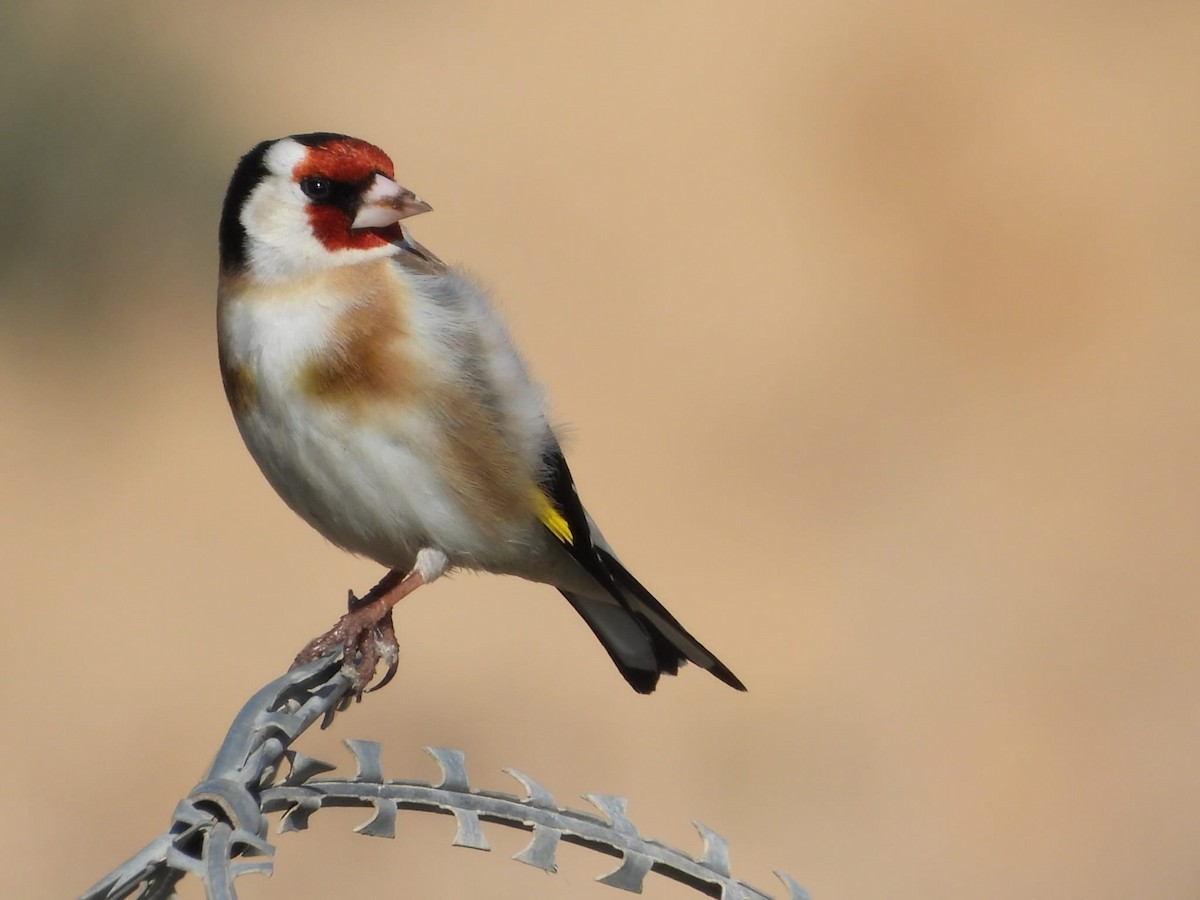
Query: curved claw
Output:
(387,648)
(392,668)
(368,661)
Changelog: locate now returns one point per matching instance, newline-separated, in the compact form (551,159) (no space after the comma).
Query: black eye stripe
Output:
(324,190)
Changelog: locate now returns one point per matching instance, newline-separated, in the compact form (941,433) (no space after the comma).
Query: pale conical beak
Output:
(386,203)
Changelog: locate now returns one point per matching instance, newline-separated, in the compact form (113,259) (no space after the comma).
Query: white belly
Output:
(374,492)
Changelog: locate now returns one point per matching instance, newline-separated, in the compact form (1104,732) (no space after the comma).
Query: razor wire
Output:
(218,833)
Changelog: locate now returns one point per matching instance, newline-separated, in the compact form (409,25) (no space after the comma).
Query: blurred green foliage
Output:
(108,168)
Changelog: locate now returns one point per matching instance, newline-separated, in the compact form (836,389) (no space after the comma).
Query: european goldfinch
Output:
(384,401)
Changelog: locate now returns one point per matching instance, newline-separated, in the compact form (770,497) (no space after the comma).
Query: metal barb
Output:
(453,764)
(716,849)
(535,794)
(368,756)
(541,849)
(383,823)
(795,890)
(614,808)
(630,874)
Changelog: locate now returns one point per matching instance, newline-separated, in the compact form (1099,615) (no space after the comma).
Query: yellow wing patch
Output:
(551,517)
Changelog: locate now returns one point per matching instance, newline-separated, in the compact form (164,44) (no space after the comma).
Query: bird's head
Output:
(309,202)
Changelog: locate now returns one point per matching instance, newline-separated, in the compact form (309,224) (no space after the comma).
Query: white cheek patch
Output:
(279,238)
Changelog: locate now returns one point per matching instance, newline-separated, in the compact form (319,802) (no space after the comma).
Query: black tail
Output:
(642,638)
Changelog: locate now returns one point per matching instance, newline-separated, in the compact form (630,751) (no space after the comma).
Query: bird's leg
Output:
(366,632)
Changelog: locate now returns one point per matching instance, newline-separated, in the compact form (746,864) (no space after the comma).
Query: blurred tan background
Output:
(875,326)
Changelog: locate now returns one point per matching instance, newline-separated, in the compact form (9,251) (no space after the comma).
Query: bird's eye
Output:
(316,188)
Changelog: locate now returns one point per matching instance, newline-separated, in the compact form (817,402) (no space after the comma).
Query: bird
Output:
(383,399)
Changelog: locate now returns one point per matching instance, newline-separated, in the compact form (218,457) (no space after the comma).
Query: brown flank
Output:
(483,469)
(241,388)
